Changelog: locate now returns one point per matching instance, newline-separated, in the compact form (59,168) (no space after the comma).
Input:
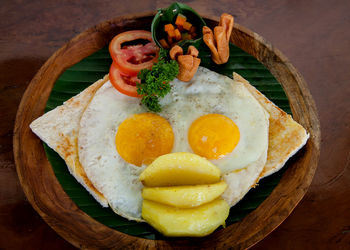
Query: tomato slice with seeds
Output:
(130,59)
(124,83)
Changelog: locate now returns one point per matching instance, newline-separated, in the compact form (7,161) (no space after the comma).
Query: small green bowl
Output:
(168,15)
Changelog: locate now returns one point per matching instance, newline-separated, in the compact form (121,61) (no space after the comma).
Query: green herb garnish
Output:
(155,83)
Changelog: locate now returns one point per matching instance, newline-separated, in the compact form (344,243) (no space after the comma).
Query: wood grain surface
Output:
(32,31)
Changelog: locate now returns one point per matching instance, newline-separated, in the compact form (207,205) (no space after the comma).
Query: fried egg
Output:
(211,115)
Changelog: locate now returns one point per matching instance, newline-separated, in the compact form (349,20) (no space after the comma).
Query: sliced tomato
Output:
(124,83)
(130,59)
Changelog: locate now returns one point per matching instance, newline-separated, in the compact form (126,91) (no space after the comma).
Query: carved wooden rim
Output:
(49,199)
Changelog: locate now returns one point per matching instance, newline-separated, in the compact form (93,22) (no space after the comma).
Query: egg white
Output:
(207,93)
(116,179)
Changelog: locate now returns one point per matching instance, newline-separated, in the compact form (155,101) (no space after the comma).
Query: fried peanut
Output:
(188,64)
(175,52)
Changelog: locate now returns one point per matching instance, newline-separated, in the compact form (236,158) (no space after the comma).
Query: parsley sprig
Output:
(155,83)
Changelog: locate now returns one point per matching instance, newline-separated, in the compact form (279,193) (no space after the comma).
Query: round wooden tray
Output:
(48,198)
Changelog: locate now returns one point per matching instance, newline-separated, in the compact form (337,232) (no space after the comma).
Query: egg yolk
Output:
(143,137)
(213,136)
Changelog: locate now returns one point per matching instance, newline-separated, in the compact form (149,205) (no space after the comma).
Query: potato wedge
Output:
(177,169)
(177,222)
(185,196)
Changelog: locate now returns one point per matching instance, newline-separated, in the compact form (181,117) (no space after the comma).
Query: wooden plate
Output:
(48,198)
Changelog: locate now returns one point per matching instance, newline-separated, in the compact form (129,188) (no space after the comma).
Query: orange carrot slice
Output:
(180,20)
(187,25)
(164,44)
(171,33)
(168,27)
(177,35)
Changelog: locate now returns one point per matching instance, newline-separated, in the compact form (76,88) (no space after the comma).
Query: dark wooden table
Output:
(314,35)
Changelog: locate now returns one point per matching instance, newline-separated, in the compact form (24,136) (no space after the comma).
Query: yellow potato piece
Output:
(181,168)
(196,222)
(184,196)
